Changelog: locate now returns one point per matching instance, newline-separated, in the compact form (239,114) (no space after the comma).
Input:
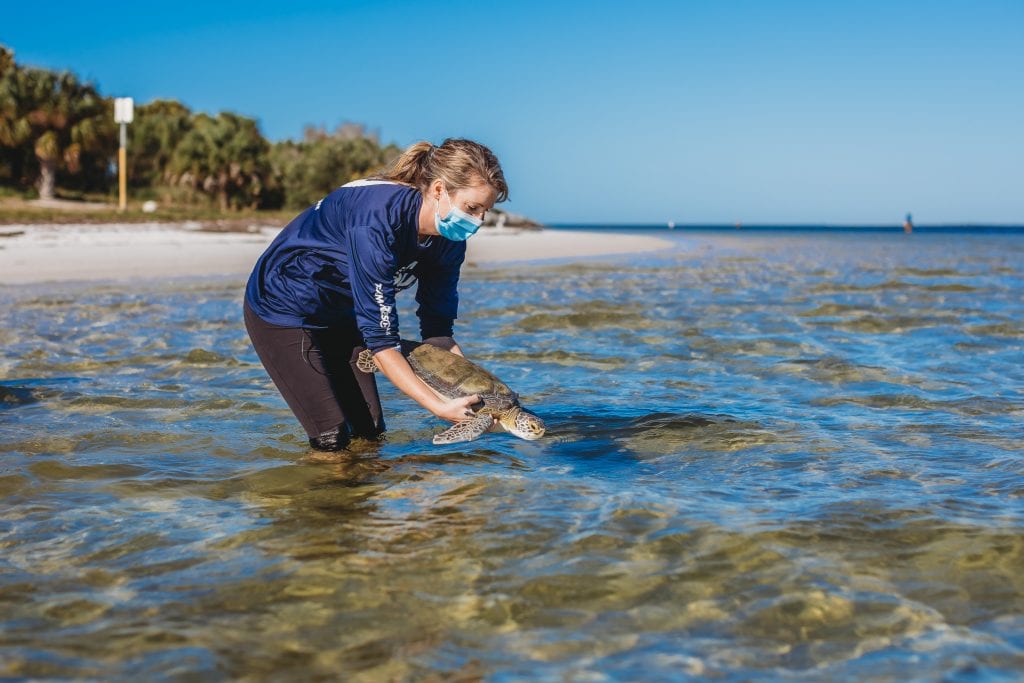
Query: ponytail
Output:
(459,163)
(411,168)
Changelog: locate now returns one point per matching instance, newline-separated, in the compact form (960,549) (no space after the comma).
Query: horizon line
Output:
(949,226)
(739,225)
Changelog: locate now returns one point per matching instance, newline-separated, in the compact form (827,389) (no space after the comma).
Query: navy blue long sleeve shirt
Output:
(345,258)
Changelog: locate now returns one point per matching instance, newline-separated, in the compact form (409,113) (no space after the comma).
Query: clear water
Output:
(784,456)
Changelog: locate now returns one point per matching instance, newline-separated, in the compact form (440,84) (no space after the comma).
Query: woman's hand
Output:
(446,343)
(457,409)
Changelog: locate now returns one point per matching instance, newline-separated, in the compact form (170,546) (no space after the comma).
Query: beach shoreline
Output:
(38,253)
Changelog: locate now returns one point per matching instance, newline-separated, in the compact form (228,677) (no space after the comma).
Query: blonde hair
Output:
(457,162)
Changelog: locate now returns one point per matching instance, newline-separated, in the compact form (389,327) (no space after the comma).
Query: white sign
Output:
(124,109)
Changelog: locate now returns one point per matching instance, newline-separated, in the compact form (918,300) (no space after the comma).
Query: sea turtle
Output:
(451,376)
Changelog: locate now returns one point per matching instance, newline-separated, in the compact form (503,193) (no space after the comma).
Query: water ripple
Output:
(771,457)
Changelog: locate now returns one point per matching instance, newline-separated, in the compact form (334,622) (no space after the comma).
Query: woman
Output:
(325,288)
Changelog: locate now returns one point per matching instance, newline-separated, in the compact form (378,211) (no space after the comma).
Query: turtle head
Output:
(522,423)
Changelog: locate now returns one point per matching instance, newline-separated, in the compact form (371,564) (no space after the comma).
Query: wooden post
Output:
(122,172)
(124,112)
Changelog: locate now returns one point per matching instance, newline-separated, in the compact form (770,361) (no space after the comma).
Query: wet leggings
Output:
(315,371)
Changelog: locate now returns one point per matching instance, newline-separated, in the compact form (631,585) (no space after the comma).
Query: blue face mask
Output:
(457,225)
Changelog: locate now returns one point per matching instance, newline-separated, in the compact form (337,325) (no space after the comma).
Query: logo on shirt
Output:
(385,311)
(404,277)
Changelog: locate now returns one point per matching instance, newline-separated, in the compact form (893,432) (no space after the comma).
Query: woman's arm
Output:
(394,366)
(446,343)
(437,293)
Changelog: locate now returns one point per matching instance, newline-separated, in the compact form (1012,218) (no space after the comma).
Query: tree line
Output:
(59,132)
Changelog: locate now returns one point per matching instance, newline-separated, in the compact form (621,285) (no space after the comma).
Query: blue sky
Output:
(710,111)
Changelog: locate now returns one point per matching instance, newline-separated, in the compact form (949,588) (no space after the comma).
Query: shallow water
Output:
(786,456)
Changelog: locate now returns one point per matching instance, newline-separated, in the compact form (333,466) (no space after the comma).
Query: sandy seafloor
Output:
(769,457)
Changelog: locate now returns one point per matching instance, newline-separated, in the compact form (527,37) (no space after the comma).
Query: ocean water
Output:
(786,456)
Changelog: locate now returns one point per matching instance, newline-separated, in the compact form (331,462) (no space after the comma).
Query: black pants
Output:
(315,371)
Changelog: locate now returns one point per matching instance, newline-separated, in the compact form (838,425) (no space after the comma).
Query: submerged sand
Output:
(43,253)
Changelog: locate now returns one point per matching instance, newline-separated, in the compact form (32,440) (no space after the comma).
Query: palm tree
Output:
(54,115)
(225,157)
(158,128)
(15,132)
(9,166)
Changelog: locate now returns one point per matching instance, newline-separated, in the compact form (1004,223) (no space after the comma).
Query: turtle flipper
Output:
(465,431)
(365,361)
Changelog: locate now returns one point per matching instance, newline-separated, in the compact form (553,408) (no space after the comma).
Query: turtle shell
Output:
(451,375)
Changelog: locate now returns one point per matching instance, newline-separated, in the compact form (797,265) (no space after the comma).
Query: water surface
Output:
(786,456)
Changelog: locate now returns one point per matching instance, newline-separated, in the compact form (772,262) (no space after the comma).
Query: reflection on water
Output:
(783,457)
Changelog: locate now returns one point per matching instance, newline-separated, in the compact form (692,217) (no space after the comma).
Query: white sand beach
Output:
(45,253)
